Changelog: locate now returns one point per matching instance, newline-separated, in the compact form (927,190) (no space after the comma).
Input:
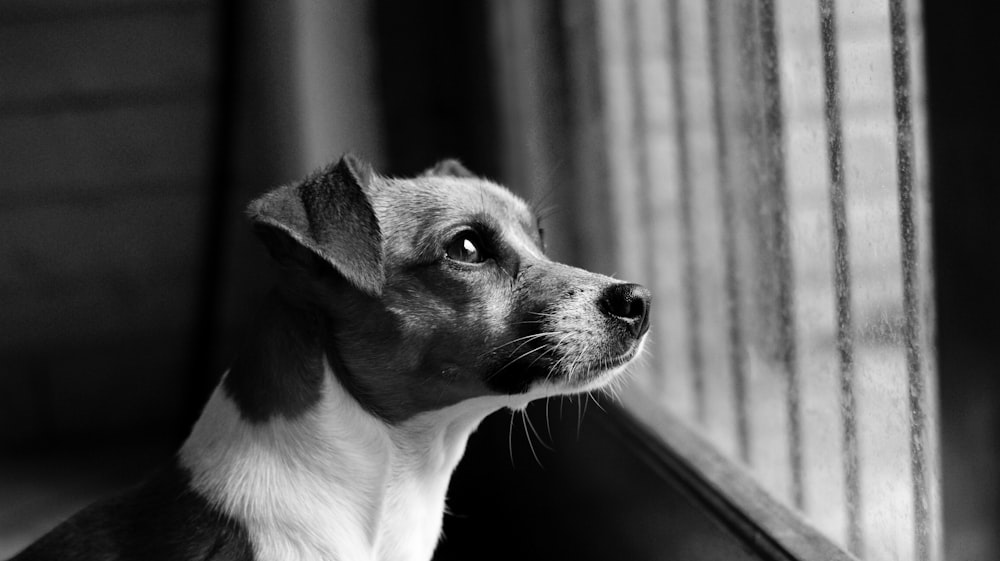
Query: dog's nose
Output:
(628,303)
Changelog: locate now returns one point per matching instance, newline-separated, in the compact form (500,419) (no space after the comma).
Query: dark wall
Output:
(436,79)
(105,118)
(963,60)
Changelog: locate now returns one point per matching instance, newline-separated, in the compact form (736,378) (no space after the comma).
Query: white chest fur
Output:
(336,483)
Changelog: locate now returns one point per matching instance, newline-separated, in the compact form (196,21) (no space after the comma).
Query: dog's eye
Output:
(465,248)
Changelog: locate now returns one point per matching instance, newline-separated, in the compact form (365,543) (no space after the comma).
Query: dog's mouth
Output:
(598,370)
(604,364)
(571,367)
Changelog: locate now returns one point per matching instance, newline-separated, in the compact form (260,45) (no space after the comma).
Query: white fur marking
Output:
(336,483)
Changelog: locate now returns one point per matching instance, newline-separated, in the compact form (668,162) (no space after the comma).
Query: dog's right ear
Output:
(330,215)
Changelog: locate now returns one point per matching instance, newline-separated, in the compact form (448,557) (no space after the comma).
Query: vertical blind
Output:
(763,165)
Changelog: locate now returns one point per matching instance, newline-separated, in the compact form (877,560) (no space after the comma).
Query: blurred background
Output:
(133,133)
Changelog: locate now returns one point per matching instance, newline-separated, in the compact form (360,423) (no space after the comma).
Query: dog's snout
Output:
(628,303)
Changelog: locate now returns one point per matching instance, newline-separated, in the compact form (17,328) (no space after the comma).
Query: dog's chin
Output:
(584,376)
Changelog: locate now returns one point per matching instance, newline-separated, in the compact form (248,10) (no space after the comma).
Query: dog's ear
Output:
(330,215)
(448,168)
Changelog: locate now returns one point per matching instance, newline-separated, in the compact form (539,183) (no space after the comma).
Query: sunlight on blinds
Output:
(764,167)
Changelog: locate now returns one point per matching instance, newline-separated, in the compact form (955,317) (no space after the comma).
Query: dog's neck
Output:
(335,482)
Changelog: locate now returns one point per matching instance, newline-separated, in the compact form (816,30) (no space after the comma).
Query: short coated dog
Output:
(407,311)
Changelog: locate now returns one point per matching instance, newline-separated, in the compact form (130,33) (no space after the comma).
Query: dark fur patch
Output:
(279,371)
(162,519)
(393,372)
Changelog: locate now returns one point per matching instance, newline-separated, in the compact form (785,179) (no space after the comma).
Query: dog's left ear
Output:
(329,214)
(448,168)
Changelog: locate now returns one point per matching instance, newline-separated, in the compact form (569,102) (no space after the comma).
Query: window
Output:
(763,165)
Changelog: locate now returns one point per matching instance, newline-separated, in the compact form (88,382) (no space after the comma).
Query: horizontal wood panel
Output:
(125,387)
(33,11)
(102,390)
(144,52)
(47,154)
(22,391)
(725,490)
(96,310)
(89,272)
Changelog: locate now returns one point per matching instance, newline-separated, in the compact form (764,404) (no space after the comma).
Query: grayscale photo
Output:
(370,280)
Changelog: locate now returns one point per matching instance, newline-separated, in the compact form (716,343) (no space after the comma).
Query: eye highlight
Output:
(466,247)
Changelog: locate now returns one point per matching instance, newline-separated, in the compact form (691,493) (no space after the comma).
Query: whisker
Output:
(528,352)
(552,367)
(522,338)
(579,357)
(590,394)
(510,440)
(544,314)
(528,436)
(548,211)
(548,425)
(525,340)
(551,349)
(614,389)
(532,425)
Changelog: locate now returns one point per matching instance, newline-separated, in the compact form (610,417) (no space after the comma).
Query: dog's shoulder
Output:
(163,518)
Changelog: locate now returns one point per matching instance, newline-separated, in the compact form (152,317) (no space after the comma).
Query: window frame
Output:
(717,485)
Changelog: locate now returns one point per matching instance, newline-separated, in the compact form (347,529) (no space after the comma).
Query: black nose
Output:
(628,303)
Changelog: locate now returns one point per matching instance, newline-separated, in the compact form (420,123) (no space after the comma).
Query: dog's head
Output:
(436,289)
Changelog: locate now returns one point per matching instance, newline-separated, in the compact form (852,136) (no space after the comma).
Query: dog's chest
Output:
(412,521)
(407,531)
(313,520)
(333,485)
